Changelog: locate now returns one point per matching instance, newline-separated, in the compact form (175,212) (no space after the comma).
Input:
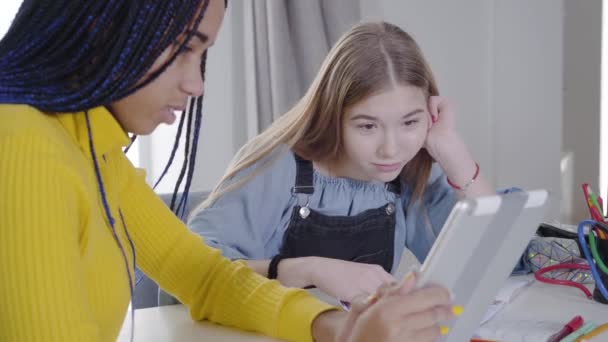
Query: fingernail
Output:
(392,283)
(444,330)
(371,299)
(457,310)
(408,276)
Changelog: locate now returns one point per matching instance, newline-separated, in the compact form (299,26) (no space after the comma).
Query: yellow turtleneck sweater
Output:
(63,277)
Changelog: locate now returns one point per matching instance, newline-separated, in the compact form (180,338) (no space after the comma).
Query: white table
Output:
(173,323)
(550,304)
(545,306)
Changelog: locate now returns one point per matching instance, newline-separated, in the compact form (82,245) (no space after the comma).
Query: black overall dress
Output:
(367,237)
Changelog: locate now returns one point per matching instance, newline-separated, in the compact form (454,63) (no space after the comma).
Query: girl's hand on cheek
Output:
(442,125)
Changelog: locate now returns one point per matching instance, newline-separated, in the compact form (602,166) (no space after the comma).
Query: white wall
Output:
(527,99)
(582,77)
(8,9)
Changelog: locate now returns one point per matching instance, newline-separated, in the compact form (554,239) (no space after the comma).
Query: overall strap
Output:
(304,176)
(394,186)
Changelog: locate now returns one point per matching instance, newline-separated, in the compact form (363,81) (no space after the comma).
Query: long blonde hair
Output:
(368,59)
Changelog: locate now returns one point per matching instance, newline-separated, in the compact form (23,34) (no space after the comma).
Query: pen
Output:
(597,331)
(574,324)
(586,328)
(595,209)
(593,200)
(597,217)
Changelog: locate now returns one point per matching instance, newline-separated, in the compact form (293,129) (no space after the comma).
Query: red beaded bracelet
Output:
(466,186)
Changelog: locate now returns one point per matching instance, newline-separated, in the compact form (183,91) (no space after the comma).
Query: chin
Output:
(387,177)
(144,130)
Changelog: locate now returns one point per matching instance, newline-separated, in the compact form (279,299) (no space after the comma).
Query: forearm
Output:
(460,167)
(259,266)
(327,326)
(292,272)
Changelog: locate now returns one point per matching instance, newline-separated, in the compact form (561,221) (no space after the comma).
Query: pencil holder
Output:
(602,248)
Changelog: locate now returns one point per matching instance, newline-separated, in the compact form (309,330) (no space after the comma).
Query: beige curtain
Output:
(285,42)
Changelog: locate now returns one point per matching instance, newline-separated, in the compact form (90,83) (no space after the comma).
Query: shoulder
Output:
(276,166)
(436,177)
(436,187)
(24,120)
(18,117)
(27,128)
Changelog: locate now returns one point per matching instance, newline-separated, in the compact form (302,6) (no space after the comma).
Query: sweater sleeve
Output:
(211,285)
(40,289)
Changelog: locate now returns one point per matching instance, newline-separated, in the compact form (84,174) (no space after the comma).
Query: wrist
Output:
(296,272)
(448,150)
(466,185)
(326,326)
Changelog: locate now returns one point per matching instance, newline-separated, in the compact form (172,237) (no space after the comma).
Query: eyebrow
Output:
(372,118)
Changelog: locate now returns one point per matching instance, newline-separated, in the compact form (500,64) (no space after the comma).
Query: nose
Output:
(389,147)
(192,83)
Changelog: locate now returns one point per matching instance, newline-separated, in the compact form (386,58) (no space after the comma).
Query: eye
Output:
(410,122)
(366,127)
(187,49)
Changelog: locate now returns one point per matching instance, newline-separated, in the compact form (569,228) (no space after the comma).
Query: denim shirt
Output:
(249,222)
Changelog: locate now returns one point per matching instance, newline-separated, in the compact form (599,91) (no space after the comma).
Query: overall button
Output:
(304,212)
(390,208)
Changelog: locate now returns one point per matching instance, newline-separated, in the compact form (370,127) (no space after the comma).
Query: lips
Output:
(178,108)
(387,167)
(168,115)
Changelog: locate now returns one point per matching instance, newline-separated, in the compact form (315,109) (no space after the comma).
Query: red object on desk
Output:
(594,211)
(539,276)
(568,329)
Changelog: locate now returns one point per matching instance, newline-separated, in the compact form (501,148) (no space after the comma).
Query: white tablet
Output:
(477,249)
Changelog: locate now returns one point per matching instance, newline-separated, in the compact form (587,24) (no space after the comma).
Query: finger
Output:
(418,300)
(408,283)
(380,275)
(403,287)
(428,334)
(360,303)
(428,318)
(386,277)
(434,107)
(425,298)
(386,289)
(392,287)
(375,279)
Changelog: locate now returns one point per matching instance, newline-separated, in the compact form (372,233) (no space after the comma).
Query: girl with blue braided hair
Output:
(76,218)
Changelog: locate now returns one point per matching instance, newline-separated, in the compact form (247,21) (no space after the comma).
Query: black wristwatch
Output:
(273,267)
